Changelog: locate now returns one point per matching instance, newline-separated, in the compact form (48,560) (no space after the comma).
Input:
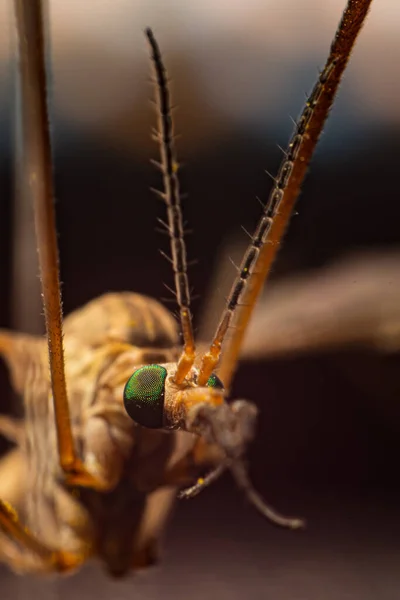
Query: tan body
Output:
(86,477)
(104,342)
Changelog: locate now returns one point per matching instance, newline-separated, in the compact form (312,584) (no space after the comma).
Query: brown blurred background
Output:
(328,444)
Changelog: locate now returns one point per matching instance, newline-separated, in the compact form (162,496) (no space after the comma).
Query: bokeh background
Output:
(328,441)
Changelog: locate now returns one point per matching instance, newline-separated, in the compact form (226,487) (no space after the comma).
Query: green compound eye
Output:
(215,382)
(144,396)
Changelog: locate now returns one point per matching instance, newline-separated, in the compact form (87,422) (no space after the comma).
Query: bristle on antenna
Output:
(272,224)
(171,195)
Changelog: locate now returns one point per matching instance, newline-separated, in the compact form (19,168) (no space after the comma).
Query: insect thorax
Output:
(100,355)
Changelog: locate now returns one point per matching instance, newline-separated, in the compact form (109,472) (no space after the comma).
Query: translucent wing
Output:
(355,302)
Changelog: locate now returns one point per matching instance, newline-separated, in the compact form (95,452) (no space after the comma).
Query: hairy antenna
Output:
(271,227)
(171,196)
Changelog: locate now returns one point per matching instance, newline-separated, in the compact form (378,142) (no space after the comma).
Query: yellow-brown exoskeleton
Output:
(117,416)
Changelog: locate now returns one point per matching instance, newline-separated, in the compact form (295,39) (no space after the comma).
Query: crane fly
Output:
(117,416)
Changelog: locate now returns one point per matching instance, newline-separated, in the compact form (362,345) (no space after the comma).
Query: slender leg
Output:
(148,541)
(38,178)
(18,547)
(56,560)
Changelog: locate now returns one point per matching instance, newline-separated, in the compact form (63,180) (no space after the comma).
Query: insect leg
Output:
(51,559)
(147,547)
(38,175)
(19,548)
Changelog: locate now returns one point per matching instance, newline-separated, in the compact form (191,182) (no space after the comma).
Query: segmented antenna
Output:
(171,196)
(264,244)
